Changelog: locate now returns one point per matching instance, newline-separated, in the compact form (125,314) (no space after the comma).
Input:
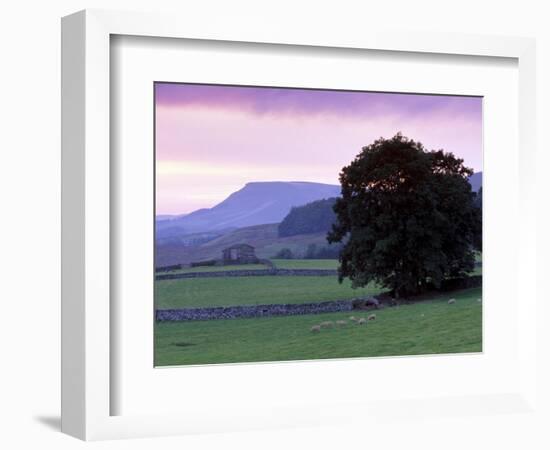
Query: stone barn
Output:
(239,254)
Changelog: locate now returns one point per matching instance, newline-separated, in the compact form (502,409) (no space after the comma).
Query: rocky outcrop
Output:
(366,303)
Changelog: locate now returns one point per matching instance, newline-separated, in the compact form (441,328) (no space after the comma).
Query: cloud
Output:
(211,140)
(298,102)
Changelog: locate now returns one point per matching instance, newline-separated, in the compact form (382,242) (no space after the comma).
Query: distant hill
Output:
(256,203)
(476,181)
(259,203)
(314,217)
(161,217)
(265,238)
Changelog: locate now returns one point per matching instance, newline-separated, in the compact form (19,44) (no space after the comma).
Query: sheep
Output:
(371,317)
(353,318)
(327,324)
(451,301)
(341,323)
(362,321)
(315,328)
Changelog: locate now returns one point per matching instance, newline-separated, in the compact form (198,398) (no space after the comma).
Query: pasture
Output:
(427,327)
(200,269)
(232,291)
(331,264)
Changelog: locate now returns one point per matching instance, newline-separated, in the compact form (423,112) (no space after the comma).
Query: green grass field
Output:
(306,263)
(232,291)
(279,263)
(218,268)
(427,327)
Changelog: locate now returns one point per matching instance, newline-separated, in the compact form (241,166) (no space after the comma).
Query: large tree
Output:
(407,217)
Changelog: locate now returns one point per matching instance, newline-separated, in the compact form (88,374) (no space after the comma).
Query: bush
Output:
(284,253)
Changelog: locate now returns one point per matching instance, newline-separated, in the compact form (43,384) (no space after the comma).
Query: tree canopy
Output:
(407,217)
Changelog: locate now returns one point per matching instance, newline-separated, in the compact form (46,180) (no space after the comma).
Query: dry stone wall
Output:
(242,312)
(250,273)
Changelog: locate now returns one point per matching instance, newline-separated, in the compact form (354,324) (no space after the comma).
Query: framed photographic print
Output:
(261,226)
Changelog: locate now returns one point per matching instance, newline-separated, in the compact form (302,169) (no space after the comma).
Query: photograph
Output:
(296,224)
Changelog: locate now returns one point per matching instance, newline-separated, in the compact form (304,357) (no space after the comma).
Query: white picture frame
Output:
(87,356)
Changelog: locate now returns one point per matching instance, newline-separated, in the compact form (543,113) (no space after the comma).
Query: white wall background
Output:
(30,188)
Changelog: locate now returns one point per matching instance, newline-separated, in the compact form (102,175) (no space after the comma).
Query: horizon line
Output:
(246,184)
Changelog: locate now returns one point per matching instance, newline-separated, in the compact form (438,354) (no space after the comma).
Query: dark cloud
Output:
(285,101)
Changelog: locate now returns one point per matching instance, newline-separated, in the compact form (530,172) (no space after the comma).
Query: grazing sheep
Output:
(451,301)
(353,318)
(371,317)
(341,323)
(362,321)
(315,328)
(327,324)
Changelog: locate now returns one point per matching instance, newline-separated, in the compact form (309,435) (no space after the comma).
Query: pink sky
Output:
(212,140)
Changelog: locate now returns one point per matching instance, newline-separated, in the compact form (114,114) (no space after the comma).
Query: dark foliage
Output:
(478,236)
(314,251)
(406,217)
(314,217)
(284,253)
